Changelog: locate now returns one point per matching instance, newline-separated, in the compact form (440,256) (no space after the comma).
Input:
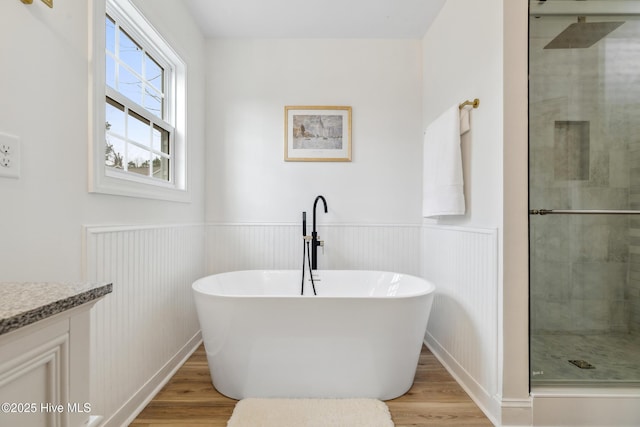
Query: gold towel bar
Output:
(475,103)
(47,2)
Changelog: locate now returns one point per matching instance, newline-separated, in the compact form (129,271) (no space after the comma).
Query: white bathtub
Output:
(361,335)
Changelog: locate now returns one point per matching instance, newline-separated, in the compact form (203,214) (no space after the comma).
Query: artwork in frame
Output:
(317,134)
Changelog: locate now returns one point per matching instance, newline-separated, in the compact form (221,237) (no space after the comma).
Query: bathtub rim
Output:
(430,286)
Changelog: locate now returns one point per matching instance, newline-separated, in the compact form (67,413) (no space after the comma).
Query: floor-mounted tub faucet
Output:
(314,235)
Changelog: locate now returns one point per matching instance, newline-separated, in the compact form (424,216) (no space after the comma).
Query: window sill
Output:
(129,188)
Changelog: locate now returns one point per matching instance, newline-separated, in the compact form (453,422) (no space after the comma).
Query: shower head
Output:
(582,34)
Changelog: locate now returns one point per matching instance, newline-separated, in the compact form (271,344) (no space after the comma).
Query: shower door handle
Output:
(539,211)
(582,212)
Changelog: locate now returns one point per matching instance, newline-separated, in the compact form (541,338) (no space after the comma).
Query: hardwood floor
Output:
(190,400)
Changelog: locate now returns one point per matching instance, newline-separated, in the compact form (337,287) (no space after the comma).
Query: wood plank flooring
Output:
(189,399)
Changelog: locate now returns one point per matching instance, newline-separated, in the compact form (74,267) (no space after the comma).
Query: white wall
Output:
(144,329)
(154,258)
(249,82)
(386,247)
(395,88)
(44,91)
(516,403)
(463,325)
(467,66)
(485,57)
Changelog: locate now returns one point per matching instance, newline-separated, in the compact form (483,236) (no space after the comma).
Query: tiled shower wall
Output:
(585,270)
(633,289)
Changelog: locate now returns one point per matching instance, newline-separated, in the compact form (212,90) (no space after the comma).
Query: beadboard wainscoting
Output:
(386,247)
(463,326)
(147,327)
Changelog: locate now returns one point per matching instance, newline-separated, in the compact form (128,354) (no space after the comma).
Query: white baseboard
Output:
(94,421)
(130,410)
(486,402)
(606,407)
(516,412)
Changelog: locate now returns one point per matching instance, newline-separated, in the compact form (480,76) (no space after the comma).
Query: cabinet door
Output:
(34,379)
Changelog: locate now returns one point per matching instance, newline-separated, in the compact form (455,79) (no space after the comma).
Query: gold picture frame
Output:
(47,2)
(317,134)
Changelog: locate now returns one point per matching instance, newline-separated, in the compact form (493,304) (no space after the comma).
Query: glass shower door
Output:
(584,198)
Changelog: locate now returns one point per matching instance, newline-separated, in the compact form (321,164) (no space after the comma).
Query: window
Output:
(138,103)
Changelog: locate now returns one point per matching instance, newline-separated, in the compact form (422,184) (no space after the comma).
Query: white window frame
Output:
(107,180)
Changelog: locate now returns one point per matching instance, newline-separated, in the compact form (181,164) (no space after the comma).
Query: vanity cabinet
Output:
(44,365)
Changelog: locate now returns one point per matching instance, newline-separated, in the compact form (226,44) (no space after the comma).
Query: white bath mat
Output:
(310,413)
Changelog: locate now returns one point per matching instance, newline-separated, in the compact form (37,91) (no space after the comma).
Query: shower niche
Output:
(571,150)
(584,177)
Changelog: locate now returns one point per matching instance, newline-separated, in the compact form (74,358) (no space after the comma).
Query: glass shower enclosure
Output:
(584,192)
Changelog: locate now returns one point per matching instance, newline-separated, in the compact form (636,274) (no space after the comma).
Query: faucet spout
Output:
(314,235)
(315,203)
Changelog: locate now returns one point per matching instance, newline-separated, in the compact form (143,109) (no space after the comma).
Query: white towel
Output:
(465,125)
(443,187)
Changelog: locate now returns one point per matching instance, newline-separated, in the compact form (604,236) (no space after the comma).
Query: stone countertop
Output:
(24,303)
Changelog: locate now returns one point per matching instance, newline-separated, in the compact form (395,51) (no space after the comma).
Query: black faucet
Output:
(314,235)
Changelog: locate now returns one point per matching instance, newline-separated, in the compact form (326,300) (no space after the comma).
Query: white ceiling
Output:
(314,18)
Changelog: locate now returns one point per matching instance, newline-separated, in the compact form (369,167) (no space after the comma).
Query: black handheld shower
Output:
(304,223)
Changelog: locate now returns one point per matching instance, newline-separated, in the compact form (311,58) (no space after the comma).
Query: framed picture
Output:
(317,134)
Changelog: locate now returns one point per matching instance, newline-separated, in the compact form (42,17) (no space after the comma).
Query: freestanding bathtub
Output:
(361,335)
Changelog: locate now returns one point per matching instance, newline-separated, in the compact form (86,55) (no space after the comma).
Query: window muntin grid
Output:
(135,144)
(138,136)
